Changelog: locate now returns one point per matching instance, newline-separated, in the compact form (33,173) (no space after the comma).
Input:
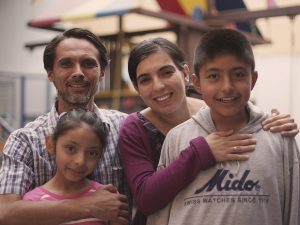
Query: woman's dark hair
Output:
(150,46)
(49,52)
(223,41)
(75,118)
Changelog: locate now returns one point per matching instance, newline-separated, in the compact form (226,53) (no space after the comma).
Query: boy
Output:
(263,190)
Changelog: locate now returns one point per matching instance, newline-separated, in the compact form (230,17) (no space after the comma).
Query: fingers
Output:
(287,129)
(234,153)
(108,204)
(224,133)
(235,149)
(123,198)
(282,123)
(242,149)
(109,187)
(277,121)
(122,217)
(291,133)
(235,137)
(276,125)
(237,153)
(242,142)
(226,148)
(232,156)
(239,139)
(123,213)
(122,220)
(284,127)
(229,136)
(274,112)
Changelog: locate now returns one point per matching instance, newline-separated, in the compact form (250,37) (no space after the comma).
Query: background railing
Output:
(5,130)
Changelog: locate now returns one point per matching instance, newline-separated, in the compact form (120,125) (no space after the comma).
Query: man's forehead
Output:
(75,46)
(76,43)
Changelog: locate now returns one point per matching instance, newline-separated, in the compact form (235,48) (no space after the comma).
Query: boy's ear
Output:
(50,145)
(254,79)
(196,83)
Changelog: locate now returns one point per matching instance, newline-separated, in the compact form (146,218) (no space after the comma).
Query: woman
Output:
(159,73)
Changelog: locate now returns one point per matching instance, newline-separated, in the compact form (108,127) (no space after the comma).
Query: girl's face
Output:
(160,83)
(77,153)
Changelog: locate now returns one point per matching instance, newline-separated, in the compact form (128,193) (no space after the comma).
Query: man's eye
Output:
(66,64)
(89,64)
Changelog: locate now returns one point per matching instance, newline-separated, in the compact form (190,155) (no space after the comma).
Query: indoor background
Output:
(26,93)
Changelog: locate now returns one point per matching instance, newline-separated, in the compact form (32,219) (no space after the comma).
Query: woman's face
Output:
(161,84)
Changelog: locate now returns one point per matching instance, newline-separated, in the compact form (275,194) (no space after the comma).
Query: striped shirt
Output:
(27,163)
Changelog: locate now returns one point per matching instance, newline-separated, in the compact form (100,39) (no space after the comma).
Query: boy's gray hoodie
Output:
(264,190)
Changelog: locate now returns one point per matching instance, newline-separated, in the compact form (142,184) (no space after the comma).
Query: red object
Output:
(171,6)
(44,23)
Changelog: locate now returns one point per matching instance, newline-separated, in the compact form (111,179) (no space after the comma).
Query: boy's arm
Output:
(103,204)
(291,213)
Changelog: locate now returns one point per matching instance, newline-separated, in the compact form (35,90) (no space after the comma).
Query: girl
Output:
(77,143)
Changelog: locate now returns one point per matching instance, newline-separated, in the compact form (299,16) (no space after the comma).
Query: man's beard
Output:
(81,100)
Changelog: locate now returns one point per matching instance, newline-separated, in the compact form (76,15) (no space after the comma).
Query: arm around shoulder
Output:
(15,211)
(102,204)
(153,190)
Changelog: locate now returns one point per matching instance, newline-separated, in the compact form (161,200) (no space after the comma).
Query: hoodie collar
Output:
(256,116)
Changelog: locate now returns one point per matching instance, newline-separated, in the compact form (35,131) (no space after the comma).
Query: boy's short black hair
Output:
(223,41)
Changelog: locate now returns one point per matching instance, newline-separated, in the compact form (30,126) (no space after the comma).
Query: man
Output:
(75,62)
